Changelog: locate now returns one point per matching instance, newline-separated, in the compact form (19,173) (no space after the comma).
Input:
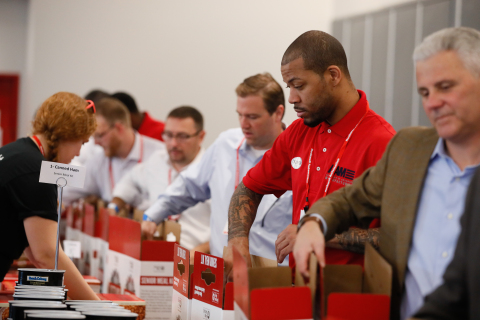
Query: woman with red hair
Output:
(28,211)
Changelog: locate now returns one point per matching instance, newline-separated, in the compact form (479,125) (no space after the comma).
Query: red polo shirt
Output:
(284,166)
(151,128)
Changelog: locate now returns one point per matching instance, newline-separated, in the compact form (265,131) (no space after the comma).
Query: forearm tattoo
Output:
(242,211)
(354,239)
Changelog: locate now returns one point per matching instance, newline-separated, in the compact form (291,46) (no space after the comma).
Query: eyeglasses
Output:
(99,136)
(180,137)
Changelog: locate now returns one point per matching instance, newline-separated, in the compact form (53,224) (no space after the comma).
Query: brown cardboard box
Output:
(367,290)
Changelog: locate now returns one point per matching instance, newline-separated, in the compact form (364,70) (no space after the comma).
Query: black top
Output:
(21,196)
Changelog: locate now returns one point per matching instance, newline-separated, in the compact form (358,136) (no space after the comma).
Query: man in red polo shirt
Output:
(336,139)
(141,121)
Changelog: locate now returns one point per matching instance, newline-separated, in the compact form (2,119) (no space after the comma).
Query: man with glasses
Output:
(260,109)
(122,147)
(183,136)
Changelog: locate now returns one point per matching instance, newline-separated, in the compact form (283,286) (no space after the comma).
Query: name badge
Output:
(64,175)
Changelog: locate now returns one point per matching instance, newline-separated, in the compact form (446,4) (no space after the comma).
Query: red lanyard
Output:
(237,172)
(332,172)
(169,176)
(39,145)
(110,170)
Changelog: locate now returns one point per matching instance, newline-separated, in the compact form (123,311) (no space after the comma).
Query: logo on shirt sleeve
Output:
(296,162)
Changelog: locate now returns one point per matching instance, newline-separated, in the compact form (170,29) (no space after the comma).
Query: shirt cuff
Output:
(324,223)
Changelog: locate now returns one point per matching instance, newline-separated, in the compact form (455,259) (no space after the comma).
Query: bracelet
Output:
(308,218)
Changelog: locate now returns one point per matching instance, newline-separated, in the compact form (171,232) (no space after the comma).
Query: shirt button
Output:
(444,254)
(318,168)
(329,131)
(450,216)
(324,149)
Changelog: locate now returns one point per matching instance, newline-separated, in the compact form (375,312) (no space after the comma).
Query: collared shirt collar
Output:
(197,158)
(441,152)
(136,149)
(246,152)
(439,149)
(351,119)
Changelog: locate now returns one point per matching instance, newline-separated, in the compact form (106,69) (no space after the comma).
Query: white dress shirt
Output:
(98,179)
(214,178)
(142,185)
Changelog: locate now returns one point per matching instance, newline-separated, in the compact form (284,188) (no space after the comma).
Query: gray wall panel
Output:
(379,62)
(404,45)
(471,13)
(355,58)
(337,29)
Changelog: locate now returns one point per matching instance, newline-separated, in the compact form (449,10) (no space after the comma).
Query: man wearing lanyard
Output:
(418,188)
(260,108)
(140,187)
(122,147)
(336,139)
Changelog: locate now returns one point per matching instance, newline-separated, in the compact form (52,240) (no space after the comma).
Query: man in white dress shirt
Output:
(122,149)
(260,109)
(139,188)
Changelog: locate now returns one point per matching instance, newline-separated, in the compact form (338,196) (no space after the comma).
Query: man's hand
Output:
(285,242)
(241,244)
(309,238)
(148,229)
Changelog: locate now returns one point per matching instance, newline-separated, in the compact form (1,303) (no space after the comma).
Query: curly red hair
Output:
(63,117)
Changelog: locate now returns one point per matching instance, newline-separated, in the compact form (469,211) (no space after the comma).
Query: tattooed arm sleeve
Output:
(354,239)
(242,211)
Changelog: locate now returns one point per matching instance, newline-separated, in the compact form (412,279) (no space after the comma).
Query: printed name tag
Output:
(73,249)
(37,278)
(62,174)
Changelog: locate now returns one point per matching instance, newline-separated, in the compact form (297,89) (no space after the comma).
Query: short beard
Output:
(324,111)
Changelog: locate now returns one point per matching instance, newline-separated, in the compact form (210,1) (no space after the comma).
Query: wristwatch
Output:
(310,218)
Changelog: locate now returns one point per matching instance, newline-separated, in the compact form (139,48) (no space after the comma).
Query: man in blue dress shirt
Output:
(418,188)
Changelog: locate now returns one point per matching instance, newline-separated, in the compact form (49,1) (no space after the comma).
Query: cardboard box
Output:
(207,287)
(122,273)
(181,296)
(156,278)
(367,293)
(140,268)
(267,293)
(88,232)
(99,249)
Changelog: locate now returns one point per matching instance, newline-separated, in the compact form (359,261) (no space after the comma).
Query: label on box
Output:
(73,249)
(181,306)
(156,283)
(205,311)
(208,280)
(64,175)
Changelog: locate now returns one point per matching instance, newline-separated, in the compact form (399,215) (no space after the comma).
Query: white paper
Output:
(73,249)
(62,174)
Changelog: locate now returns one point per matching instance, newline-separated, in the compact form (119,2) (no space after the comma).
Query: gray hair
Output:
(465,41)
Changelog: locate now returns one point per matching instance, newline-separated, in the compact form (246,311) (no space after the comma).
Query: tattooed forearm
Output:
(354,239)
(242,211)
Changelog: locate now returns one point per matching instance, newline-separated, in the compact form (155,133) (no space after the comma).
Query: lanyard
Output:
(237,172)
(169,176)
(110,170)
(39,145)
(339,157)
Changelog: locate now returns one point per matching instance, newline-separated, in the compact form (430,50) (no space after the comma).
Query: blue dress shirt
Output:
(437,227)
